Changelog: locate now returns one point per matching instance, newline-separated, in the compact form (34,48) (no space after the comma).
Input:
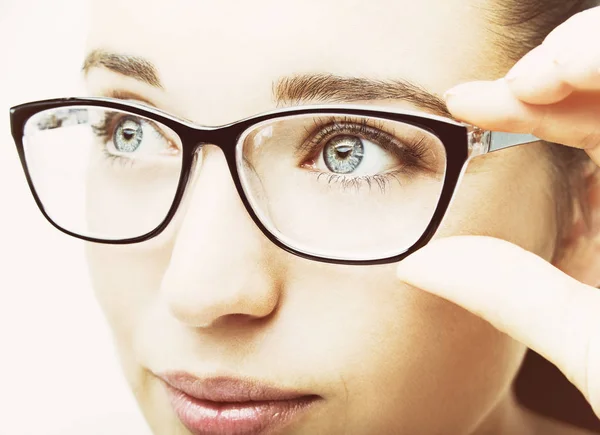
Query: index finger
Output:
(493,106)
(563,63)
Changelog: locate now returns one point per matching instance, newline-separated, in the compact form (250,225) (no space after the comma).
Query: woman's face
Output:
(213,297)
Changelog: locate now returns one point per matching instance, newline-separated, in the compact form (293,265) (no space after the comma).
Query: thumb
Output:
(520,294)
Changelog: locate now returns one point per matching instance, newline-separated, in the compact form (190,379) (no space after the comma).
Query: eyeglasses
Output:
(340,184)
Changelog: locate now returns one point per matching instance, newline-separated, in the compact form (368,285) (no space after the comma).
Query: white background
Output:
(58,371)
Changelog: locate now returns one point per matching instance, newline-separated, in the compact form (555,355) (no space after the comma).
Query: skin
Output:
(380,352)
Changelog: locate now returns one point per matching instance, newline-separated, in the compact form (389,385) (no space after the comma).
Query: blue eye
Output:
(128,135)
(343,154)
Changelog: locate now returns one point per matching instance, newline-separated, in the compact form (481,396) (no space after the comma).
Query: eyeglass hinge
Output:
(479,141)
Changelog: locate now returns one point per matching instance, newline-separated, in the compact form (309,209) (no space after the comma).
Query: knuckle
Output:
(593,363)
(586,18)
(593,373)
(589,140)
(569,34)
(539,123)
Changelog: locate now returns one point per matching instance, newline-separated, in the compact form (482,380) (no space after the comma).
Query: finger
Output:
(574,121)
(520,294)
(565,62)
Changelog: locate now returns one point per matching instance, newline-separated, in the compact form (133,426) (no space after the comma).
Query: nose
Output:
(222,268)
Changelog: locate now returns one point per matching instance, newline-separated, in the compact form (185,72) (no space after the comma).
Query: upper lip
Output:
(228,389)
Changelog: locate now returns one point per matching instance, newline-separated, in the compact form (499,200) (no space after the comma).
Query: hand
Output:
(553,93)
(520,294)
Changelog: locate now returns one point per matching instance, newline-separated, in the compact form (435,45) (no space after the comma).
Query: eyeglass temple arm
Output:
(501,140)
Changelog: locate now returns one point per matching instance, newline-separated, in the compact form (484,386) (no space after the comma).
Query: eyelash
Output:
(412,154)
(105,131)
(381,180)
(102,130)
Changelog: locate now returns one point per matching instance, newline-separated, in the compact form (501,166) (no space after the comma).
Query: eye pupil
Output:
(343,154)
(129,133)
(344,150)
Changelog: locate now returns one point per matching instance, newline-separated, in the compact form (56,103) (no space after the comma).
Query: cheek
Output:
(126,282)
(507,195)
(396,352)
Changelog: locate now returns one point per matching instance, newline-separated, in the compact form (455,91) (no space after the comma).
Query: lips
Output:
(219,406)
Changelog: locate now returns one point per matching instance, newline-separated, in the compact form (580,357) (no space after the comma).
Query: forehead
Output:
(228,54)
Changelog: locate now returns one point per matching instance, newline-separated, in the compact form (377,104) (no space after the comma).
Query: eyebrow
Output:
(306,88)
(336,89)
(130,66)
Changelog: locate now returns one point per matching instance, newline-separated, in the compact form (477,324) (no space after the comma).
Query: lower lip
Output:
(202,417)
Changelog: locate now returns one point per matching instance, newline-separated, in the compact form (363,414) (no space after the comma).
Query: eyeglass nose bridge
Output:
(220,136)
(227,139)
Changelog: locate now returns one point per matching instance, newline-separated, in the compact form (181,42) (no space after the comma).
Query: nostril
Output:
(235,320)
(206,309)
(195,320)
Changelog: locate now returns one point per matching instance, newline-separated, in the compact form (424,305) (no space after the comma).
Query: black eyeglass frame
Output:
(461,142)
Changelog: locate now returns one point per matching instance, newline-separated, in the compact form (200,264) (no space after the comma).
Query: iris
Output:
(128,135)
(343,154)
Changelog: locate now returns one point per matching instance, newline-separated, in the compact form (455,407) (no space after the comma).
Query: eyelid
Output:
(121,94)
(323,129)
(409,148)
(129,96)
(116,117)
(316,129)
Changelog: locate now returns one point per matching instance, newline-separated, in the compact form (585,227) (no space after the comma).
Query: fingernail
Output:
(458,89)
(512,75)
(403,270)
(449,94)
(468,90)
(562,59)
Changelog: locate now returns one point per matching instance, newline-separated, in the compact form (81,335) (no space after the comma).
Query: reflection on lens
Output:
(341,186)
(102,173)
